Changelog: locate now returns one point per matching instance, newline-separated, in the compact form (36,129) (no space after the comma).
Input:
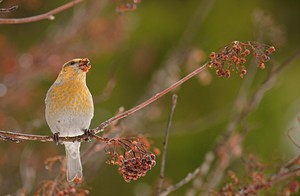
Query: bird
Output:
(69,110)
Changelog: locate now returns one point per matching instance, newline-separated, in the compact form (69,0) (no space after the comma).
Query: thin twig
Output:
(165,144)
(288,164)
(282,176)
(49,15)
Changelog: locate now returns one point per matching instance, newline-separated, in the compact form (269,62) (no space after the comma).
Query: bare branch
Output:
(49,15)
(165,143)
(18,137)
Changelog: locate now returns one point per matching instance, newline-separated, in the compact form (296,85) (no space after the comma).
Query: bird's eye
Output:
(72,63)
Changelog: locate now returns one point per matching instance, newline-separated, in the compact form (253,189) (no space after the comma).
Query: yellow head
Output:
(75,69)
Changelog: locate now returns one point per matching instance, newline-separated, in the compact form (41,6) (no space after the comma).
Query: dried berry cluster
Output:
(132,157)
(233,57)
(136,167)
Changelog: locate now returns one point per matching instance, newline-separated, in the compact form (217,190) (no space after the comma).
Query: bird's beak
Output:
(84,64)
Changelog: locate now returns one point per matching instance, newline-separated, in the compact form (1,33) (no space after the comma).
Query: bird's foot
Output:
(56,138)
(87,133)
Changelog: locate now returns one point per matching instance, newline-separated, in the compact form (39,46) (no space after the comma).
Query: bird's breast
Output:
(74,98)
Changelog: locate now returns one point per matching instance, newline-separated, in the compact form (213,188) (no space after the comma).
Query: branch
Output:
(49,15)
(165,143)
(19,137)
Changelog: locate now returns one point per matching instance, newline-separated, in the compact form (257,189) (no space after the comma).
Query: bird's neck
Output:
(71,77)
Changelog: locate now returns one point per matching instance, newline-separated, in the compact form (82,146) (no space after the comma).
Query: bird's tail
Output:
(74,168)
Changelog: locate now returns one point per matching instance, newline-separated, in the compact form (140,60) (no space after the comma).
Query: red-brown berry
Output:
(265,58)
(246,52)
(242,60)
(261,65)
(270,50)
(212,55)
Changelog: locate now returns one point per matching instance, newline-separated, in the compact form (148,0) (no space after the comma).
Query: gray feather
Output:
(74,168)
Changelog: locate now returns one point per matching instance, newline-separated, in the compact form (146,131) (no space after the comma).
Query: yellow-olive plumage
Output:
(69,110)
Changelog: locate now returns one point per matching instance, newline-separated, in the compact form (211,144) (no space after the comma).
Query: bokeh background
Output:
(134,54)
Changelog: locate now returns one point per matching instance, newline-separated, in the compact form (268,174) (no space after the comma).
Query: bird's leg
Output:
(87,133)
(56,138)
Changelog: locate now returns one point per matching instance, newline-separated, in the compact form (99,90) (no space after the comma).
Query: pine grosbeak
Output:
(69,110)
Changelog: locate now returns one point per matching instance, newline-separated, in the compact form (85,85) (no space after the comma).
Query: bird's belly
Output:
(69,125)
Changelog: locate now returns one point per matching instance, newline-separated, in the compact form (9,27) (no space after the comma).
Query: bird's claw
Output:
(87,133)
(56,138)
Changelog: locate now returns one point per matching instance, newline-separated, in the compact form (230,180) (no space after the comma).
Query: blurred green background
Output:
(135,54)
